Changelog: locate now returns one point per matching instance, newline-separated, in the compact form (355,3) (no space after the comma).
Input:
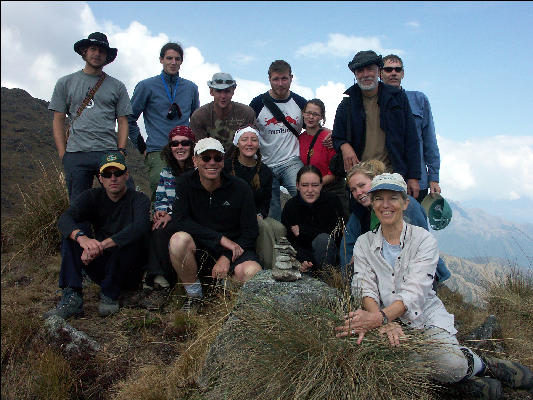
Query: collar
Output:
(377,241)
(170,78)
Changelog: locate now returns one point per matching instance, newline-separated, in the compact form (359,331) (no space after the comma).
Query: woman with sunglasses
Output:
(177,154)
(314,152)
(310,218)
(362,219)
(246,164)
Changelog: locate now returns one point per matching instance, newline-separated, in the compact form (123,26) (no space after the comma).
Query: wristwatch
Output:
(385,319)
(123,150)
(77,235)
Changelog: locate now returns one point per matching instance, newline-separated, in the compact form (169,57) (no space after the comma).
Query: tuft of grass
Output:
(512,302)
(34,230)
(272,353)
(54,379)
(17,332)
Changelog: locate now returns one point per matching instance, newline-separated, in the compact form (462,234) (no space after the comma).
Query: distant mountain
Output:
(476,235)
(26,140)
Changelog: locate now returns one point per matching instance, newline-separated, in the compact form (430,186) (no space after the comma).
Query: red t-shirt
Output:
(321,155)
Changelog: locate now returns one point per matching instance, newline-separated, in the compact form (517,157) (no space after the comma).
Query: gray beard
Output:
(368,87)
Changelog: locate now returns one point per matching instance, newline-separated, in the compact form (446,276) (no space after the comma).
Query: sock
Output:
(194,289)
(476,366)
(479,365)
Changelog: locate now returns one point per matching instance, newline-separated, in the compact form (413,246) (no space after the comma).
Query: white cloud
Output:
(244,59)
(413,24)
(494,168)
(331,94)
(340,45)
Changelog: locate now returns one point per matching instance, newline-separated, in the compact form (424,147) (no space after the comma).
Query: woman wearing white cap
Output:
(246,164)
(394,266)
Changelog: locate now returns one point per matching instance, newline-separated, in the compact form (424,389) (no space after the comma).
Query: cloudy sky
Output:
(470,59)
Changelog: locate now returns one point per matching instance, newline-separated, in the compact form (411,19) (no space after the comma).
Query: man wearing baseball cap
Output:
(114,257)
(95,103)
(215,222)
(222,117)
(381,123)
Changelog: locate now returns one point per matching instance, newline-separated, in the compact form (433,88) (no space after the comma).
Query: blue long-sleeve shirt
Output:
(151,99)
(429,150)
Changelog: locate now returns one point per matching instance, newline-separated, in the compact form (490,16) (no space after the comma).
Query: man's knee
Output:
(246,270)
(180,243)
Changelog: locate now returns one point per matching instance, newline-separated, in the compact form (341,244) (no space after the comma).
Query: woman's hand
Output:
(295,230)
(161,220)
(306,266)
(359,322)
(394,332)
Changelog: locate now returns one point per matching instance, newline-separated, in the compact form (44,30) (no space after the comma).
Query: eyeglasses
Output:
(206,158)
(390,69)
(116,174)
(226,81)
(174,111)
(312,114)
(184,143)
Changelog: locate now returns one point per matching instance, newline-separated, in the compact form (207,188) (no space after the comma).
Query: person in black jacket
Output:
(310,218)
(381,123)
(246,164)
(114,257)
(214,216)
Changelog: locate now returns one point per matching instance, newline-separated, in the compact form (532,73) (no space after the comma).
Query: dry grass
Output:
(512,302)
(33,231)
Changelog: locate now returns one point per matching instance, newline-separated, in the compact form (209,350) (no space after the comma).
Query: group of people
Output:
(215,174)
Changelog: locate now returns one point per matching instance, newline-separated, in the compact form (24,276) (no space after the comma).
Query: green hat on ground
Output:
(438,211)
(115,159)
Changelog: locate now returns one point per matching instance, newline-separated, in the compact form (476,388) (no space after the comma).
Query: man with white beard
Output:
(381,123)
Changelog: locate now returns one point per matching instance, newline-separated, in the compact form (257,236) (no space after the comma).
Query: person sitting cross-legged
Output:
(215,219)
(116,255)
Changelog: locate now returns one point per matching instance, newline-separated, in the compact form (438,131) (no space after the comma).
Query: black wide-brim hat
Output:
(96,39)
(364,58)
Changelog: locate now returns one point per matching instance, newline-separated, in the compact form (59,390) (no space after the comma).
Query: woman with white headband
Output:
(246,164)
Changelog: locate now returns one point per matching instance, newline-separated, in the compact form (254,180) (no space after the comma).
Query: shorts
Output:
(206,261)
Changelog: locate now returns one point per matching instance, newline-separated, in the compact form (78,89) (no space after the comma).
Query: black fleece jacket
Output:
(228,211)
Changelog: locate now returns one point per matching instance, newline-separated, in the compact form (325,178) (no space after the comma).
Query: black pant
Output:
(117,268)
(159,258)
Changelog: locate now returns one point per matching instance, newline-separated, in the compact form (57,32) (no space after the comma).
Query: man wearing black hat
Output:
(94,102)
(381,123)
(114,257)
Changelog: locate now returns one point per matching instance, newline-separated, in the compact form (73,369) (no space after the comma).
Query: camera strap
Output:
(84,103)
(171,98)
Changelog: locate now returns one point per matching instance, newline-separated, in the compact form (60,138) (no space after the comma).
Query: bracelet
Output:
(123,150)
(385,319)
(77,235)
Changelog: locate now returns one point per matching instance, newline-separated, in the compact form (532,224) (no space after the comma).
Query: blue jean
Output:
(80,169)
(284,175)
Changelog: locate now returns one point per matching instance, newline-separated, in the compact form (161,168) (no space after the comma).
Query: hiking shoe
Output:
(159,280)
(477,388)
(509,373)
(191,304)
(70,305)
(107,306)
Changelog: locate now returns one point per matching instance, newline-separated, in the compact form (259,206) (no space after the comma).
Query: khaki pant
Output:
(155,164)
(270,230)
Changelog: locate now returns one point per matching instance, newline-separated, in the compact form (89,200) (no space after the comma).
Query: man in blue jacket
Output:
(215,222)
(392,74)
(166,100)
(382,125)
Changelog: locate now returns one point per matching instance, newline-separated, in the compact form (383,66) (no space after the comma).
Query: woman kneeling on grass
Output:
(310,218)
(394,267)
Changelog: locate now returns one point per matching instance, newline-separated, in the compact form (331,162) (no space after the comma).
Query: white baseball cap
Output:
(208,143)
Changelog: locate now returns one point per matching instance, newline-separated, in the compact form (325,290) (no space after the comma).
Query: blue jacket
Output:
(414,215)
(150,98)
(429,150)
(396,120)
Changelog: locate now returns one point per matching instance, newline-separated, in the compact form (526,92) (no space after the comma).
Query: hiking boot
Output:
(509,373)
(70,305)
(191,304)
(107,306)
(160,282)
(477,388)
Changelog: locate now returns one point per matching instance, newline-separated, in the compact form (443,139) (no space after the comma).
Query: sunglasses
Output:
(174,111)
(226,81)
(184,143)
(116,174)
(390,69)
(312,114)
(206,158)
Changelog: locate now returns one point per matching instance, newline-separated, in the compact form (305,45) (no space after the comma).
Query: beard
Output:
(371,86)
